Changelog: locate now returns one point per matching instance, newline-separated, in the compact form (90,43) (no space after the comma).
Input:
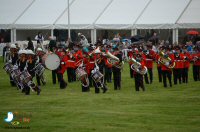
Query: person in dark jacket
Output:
(30,44)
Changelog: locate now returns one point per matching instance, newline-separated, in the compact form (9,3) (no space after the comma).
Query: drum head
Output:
(52,61)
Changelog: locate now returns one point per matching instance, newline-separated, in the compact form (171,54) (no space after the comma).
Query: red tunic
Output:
(179,61)
(187,60)
(197,62)
(163,67)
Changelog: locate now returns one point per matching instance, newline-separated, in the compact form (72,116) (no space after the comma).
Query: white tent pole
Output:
(52,33)
(133,32)
(92,36)
(183,11)
(95,36)
(14,35)
(69,33)
(11,36)
(175,35)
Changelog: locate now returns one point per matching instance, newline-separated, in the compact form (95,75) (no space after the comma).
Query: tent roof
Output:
(10,12)
(82,14)
(191,16)
(121,14)
(100,14)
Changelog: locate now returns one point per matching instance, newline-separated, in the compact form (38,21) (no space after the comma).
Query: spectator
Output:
(30,44)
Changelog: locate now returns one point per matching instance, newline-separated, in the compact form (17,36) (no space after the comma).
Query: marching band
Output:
(93,65)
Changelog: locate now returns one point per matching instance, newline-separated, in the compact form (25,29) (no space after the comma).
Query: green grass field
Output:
(69,110)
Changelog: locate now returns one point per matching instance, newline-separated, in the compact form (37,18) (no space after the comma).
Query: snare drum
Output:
(25,77)
(8,68)
(80,73)
(97,76)
(15,74)
(39,69)
(51,61)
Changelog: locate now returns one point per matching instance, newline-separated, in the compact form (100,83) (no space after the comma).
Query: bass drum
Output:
(51,61)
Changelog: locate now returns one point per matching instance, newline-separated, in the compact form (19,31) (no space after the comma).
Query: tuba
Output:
(82,75)
(136,66)
(113,60)
(166,60)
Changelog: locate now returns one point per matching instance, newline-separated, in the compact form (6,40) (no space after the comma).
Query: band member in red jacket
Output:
(71,66)
(90,64)
(86,56)
(186,60)
(166,71)
(108,68)
(117,70)
(159,69)
(62,68)
(196,64)
(139,77)
(150,54)
(178,69)
(130,55)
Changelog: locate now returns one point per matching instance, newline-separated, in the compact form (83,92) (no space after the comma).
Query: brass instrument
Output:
(166,60)
(113,60)
(136,66)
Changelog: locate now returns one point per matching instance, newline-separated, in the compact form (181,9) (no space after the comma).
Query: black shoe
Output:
(38,91)
(104,90)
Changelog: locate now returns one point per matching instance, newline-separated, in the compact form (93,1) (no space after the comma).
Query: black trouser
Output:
(90,81)
(71,75)
(131,71)
(63,84)
(85,89)
(38,80)
(177,73)
(147,81)
(185,75)
(196,73)
(98,85)
(108,74)
(54,72)
(167,74)
(27,89)
(12,81)
(139,82)
(159,74)
(117,79)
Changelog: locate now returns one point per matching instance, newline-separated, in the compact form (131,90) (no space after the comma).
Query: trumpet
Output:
(137,67)
(166,60)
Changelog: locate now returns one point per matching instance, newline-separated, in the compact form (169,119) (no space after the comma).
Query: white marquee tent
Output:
(100,14)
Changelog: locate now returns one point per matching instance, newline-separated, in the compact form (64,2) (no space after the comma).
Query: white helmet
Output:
(79,34)
(30,52)
(13,46)
(39,49)
(22,52)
